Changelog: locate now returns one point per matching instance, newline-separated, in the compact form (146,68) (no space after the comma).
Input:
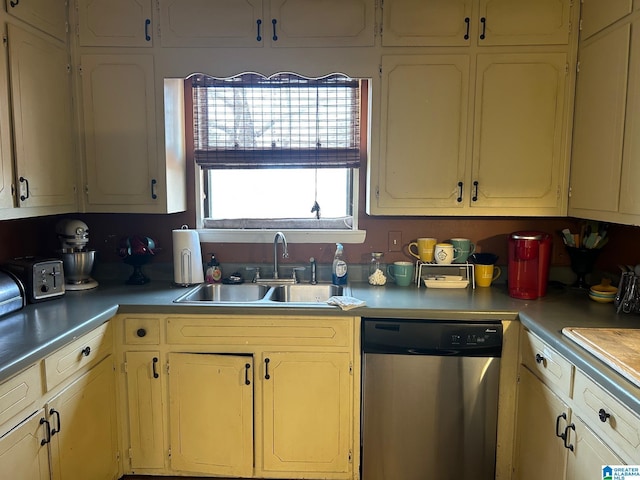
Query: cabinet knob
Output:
(86,351)
(603,415)
(14,4)
(539,358)
(141,332)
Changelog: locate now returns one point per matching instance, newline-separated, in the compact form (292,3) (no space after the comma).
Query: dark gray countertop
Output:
(32,333)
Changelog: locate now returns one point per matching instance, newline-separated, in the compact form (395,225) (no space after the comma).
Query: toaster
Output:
(42,278)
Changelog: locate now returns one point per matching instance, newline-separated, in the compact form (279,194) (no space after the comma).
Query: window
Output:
(282,152)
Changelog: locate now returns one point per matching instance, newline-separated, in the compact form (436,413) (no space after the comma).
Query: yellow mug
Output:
(424,249)
(485,274)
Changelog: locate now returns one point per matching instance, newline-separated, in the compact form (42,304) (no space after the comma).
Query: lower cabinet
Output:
(23,450)
(241,396)
(553,438)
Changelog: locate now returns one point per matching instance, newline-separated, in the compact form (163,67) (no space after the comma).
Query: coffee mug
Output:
(401,273)
(485,274)
(443,253)
(423,249)
(462,248)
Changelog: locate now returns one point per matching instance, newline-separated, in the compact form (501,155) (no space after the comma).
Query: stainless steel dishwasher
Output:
(430,399)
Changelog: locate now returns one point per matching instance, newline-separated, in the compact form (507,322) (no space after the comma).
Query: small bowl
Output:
(601,299)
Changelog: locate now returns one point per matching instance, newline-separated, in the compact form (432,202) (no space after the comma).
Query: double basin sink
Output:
(255,292)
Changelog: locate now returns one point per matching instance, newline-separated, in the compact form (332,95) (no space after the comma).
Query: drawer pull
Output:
(247,366)
(603,415)
(539,358)
(44,441)
(141,332)
(54,430)
(566,436)
(153,366)
(266,369)
(86,351)
(467,21)
(562,415)
(483,35)
(460,185)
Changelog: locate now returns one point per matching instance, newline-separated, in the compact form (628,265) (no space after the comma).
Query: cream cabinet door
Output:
(539,451)
(211,413)
(320,23)
(146,412)
(214,23)
(588,453)
(117,23)
(120,132)
(598,14)
(423,140)
(83,416)
(523,22)
(23,449)
(50,16)
(599,122)
(519,133)
(307,417)
(6,160)
(428,23)
(43,133)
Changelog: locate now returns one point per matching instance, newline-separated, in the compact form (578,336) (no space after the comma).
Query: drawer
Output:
(256,330)
(20,391)
(547,364)
(620,429)
(141,330)
(83,352)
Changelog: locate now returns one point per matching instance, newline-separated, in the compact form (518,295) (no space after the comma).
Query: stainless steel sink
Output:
(305,293)
(218,292)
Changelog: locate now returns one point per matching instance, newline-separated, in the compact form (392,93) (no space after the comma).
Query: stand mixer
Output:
(77,261)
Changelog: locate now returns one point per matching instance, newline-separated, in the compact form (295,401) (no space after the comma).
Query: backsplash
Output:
(37,236)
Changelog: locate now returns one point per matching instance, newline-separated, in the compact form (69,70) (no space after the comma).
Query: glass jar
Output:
(377,269)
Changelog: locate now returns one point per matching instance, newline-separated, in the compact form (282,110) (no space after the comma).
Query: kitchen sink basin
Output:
(256,292)
(219,292)
(305,292)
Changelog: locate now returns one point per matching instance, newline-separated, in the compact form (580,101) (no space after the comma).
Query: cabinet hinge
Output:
(86,189)
(169,452)
(580,25)
(380,70)
(68,68)
(570,191)
(377,192)
(350,368)
(5,41)
(124,368)
(118,456)
(167,368)
(577,67)
(350,456)
(130,453)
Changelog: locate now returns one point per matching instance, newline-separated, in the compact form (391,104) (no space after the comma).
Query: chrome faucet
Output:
(285,251)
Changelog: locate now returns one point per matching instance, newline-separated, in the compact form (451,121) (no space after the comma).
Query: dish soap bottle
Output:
(339,268)
(214,272)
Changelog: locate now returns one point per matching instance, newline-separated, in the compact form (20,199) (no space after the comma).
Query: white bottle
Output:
(339,269)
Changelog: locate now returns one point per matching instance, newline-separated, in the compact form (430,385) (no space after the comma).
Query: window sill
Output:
(293,236)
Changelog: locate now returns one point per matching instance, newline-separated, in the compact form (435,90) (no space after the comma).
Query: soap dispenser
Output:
(214,272)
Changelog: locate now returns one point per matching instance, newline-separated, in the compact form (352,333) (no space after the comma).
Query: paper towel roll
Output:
(187,257)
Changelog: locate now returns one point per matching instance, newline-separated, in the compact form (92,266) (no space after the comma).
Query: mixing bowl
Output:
(77,265)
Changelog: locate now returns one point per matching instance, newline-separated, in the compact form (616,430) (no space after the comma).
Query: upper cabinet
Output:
(606,150)
(42,123)
(117,23)
(477,22)
(50,16)
(279,23)
(598,14)
(6,163)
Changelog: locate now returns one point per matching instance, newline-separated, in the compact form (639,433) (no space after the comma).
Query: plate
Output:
(442,283)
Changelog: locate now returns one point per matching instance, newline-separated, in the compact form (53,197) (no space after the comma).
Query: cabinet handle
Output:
(266,369)
(566,436)
(53,411)
(459,199)
(603,415)
(475,191)
(258,25)
(154,367)
(141,332)
(86,351)
(154,182)
(483,21)
(44,441)
(247,366)
(14,4)
(147,37)
(539,358)
(467,20)
(562,415)
(26,182)
(275,37)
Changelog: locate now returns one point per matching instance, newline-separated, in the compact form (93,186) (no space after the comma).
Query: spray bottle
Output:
(339,268)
